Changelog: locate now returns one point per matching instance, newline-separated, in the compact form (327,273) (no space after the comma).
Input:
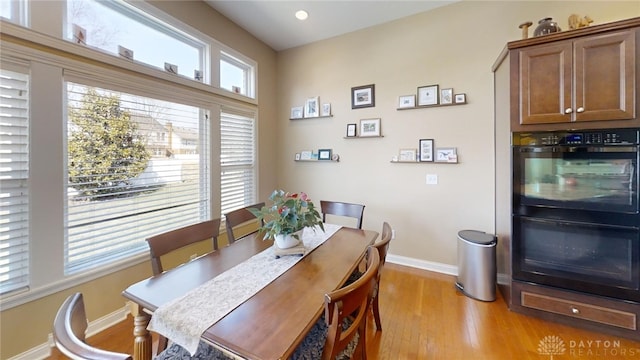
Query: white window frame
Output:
(142,14)
(247,66)
(49,69)
(19,12)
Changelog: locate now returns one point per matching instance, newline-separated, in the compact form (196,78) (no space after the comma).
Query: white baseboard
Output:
(43,351)
(436,267)
(423,264)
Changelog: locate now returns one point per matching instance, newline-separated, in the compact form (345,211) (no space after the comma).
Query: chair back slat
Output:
(346,310)
(383,248)
(337,208)
(167,242)
(383,244)
(238,217)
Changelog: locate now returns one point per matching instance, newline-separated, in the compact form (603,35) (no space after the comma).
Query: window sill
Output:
(22,297)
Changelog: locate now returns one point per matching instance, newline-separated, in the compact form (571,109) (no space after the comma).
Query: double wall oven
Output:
(576,220)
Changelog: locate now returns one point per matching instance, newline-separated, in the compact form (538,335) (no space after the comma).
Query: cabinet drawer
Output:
(579,310)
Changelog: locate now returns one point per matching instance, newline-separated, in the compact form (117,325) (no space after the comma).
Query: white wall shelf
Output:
(312,117)
(314,160)
(362,137)
(422,162)
(431,106)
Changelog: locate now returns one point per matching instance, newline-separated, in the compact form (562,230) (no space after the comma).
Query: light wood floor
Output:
(424,317)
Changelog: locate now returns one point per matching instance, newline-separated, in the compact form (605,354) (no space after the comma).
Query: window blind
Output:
(135,169)
(14,179)
(237,161)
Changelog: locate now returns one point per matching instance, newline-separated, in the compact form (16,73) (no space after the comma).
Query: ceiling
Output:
(275,24)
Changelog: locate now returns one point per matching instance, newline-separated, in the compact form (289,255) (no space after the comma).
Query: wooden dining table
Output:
(272,322)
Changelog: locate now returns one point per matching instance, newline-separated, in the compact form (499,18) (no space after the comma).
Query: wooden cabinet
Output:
(577,82)
(545,82)
(578,79)
(596,313)
(604,77)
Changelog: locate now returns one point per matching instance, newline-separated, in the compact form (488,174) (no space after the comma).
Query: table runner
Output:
(184,319)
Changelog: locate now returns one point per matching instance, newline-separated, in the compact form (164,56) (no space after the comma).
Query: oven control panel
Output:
(592,137)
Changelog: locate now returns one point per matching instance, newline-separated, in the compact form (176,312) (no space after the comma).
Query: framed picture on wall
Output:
(426,150)
(461,98)
(363,96)
(296,112)
(311,107)
(326,109)
(351,130)
(446,96)
(428,95)
(448,154)
(407,155)
(406,101)
(324,154)
(369,127)
(305,155)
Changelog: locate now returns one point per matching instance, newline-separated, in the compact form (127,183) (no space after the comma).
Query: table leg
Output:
(142,344)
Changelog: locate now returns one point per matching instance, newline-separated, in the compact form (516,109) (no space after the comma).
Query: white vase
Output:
(287,241)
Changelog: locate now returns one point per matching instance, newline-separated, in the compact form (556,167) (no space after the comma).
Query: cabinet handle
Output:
(580,109)
(575,310)
(568,110)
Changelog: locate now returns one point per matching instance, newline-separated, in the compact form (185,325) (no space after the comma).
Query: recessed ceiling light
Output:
(302,15)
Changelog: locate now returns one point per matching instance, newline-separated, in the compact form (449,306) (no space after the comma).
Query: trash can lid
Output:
(477,237)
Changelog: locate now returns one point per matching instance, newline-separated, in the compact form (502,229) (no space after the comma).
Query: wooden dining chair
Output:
(70,327)
(204,352)
(162,244)
(167,242)
(235,218)
(355,211)
(383,247)
(69,331)
(344,321)
(345,311)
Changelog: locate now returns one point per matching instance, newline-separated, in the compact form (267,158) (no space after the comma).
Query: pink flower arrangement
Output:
(289,213)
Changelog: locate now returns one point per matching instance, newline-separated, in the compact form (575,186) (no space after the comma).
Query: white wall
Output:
(453,46)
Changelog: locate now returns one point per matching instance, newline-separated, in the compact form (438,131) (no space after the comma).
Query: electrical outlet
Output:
(393,234)
(432,179)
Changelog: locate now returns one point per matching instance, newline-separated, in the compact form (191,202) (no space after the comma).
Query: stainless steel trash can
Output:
(477,264)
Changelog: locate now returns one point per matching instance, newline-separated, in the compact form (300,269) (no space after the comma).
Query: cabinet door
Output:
(545,84)
(605,77)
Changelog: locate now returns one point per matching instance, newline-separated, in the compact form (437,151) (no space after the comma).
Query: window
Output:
(14,11)
(14,178)
(109,24)
(68,215)
(237,160)
(236,75)
(124,183)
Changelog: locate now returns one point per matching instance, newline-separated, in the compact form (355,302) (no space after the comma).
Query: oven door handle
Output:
(577,149)
(576,223)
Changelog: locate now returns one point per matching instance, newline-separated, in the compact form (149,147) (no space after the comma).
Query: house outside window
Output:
(119,192)
(89,222)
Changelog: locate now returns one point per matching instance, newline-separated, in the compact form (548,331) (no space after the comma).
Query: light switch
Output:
(432,179)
